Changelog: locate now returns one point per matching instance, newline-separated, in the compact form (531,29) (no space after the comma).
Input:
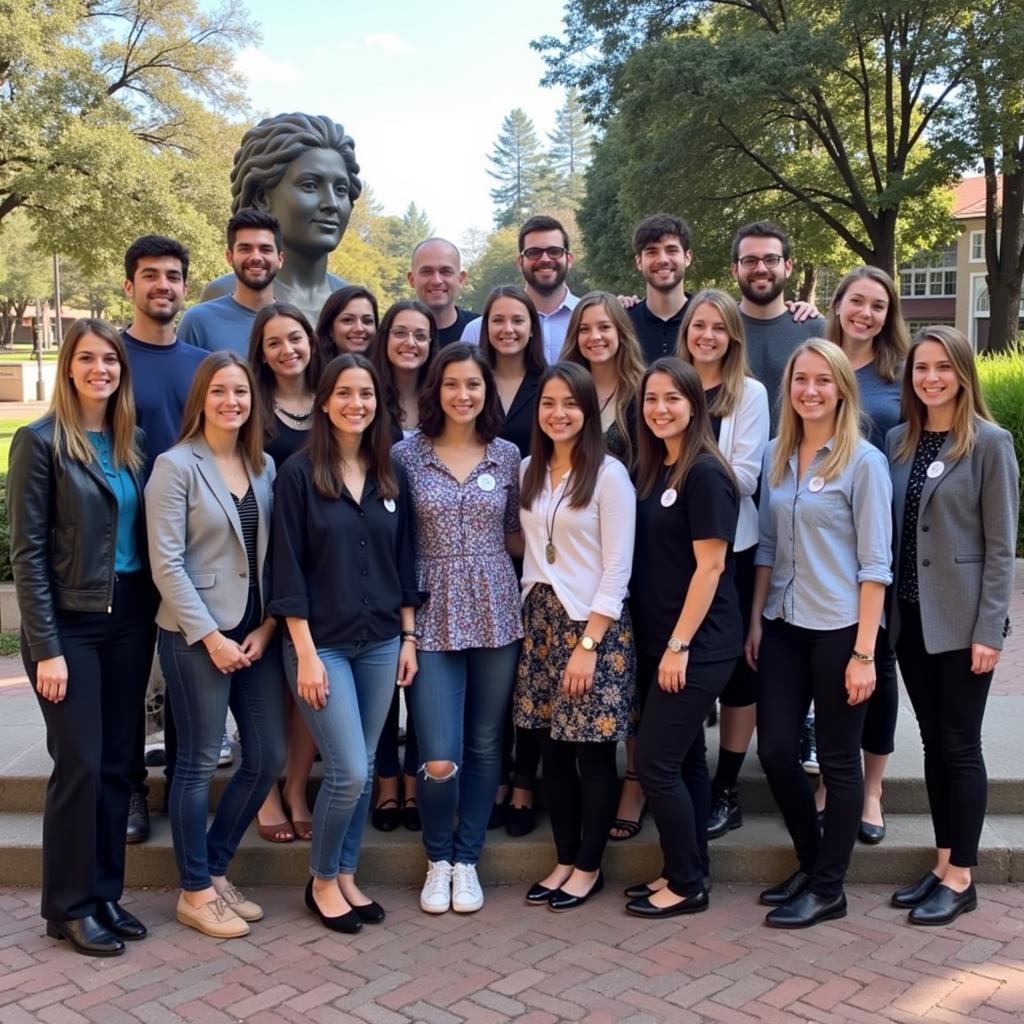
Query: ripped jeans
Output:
(459,701)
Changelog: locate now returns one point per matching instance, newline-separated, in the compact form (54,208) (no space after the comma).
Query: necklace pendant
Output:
(549,553)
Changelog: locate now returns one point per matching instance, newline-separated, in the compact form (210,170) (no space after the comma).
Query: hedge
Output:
(6,575)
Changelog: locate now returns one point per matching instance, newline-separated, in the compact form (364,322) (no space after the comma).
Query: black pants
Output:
(949,701)
(797,666)
(672,765)
(581,791)
(884,704)
(91,737)
(387,761)
(520,755)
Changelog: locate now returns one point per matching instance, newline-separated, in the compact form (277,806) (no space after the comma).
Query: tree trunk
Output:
(808,282)
(1004,313)
(1005,263)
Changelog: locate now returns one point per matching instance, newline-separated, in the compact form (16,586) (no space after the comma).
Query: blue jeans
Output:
(362,680)
(200,696)
(459,701)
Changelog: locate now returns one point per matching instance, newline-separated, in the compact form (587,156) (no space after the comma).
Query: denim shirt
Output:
(823,543)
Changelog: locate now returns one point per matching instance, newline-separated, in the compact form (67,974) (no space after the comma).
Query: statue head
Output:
(302,169)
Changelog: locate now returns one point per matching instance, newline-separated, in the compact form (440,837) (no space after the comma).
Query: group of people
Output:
(576,525)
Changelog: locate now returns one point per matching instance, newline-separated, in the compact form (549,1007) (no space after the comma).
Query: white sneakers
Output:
(467,896)
(436,894)
(445,887)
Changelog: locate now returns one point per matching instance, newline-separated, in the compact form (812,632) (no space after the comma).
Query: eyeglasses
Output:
(771,261)
(404,334)
(553,252)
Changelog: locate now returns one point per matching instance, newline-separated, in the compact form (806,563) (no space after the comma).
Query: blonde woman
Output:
(78,550)
(956,494)
(823,563)
(711,338)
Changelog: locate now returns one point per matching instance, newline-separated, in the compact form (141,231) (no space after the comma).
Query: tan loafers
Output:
(214,918)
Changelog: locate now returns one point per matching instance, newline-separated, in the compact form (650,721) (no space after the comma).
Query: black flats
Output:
(87,935)
(911,895)
(349,923)
(116,919)
(386,816)
(793,886)
(538,895)
(944,905)
(805,910)
(643,907)
(560,900)
(870,834)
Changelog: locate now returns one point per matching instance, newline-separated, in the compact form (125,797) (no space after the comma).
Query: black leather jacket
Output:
(63,521)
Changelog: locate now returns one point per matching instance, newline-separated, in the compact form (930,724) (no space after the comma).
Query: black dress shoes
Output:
(138,818)
(349,922)
(87,936)
(116,919)
(370,913)
(725,813)
(870,834)
(643,907)
(561,900)
(944,905)
(911,895)
(785,891)
(538,895)
(805,910)
(638,892)
(520,821)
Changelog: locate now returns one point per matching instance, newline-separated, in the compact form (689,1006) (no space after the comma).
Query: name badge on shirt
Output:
(816,484)
(668,497)
(486,482)
(389,504)
(937,468)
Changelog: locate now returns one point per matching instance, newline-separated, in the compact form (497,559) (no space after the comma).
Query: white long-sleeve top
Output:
(742,439)
(593,544)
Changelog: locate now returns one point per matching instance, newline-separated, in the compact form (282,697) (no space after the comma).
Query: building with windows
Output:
(947,286)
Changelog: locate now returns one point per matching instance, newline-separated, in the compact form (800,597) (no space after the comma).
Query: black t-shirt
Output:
(664,563)
(448,335)
(657,337)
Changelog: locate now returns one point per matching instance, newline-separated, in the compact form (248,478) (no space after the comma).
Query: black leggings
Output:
(797,666)
(671,764)
(581,804)
(949,701)
(386,761)
(884,704)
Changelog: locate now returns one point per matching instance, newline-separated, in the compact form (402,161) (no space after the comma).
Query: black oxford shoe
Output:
(911,895)
(944,905)
(86,936)
(643,907)
(116,919)
(805,910)
(725,814)
(785,891)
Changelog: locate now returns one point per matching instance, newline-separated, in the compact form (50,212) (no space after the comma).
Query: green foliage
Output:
(25,274)
(6,575)
(572,144)
(516,163)
(1002,383)
(494,266)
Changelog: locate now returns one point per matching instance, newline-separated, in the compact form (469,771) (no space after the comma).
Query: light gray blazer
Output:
(966,538)
(196,548)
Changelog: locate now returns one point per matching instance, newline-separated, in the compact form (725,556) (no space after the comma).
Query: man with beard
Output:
(254,254)
(436,277)
(156,272)
(661,248)
(544,260)
(761,265)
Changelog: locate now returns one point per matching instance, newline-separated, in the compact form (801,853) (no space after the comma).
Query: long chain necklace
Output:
(549,550)
(298,417)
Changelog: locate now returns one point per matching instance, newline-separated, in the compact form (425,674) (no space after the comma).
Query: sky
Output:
(421,87)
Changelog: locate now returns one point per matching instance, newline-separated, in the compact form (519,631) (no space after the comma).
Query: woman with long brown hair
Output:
(208,506)
(348,323)
(576,685)
(344,583)
(78,551)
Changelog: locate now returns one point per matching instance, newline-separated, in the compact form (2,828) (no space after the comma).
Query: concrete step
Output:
(760,851)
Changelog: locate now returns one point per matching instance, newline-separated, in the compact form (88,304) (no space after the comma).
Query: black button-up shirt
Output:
(347,568)
(657,337)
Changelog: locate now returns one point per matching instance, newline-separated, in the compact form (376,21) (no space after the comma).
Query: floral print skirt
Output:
(608,710)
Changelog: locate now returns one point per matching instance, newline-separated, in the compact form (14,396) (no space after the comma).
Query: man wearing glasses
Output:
(544,260)
(761,265)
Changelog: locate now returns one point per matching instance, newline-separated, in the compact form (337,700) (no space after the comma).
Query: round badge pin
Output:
(389,504)
(668,497)
(486,482)
(816,484)
(937,468)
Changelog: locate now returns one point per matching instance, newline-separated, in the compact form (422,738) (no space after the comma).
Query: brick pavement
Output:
(512,962)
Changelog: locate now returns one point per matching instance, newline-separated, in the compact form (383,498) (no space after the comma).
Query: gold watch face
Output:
(587,643)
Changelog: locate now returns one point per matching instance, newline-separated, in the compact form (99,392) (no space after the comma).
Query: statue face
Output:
(312,202)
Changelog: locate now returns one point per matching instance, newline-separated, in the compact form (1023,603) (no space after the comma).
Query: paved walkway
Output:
(512,962)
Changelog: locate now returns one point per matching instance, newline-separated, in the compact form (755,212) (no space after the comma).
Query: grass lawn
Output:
(23,354)
(7,429)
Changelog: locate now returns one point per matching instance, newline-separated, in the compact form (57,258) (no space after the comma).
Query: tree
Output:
(516,160)
(993,115)
(25,275)
(571,146)
(112,120)
(826,107)
(495,265)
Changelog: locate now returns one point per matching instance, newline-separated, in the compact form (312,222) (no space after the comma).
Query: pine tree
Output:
(571,146)
(517,160)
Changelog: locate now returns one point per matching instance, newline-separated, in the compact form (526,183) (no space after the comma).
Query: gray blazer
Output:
(196,548)
(966,539)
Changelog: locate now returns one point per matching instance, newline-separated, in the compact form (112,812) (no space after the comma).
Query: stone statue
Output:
(303,170)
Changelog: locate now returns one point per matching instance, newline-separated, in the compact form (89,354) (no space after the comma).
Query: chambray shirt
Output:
(822,544)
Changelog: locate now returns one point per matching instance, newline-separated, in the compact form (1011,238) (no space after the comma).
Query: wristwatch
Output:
(868,659)
(588,643)
(676,646)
